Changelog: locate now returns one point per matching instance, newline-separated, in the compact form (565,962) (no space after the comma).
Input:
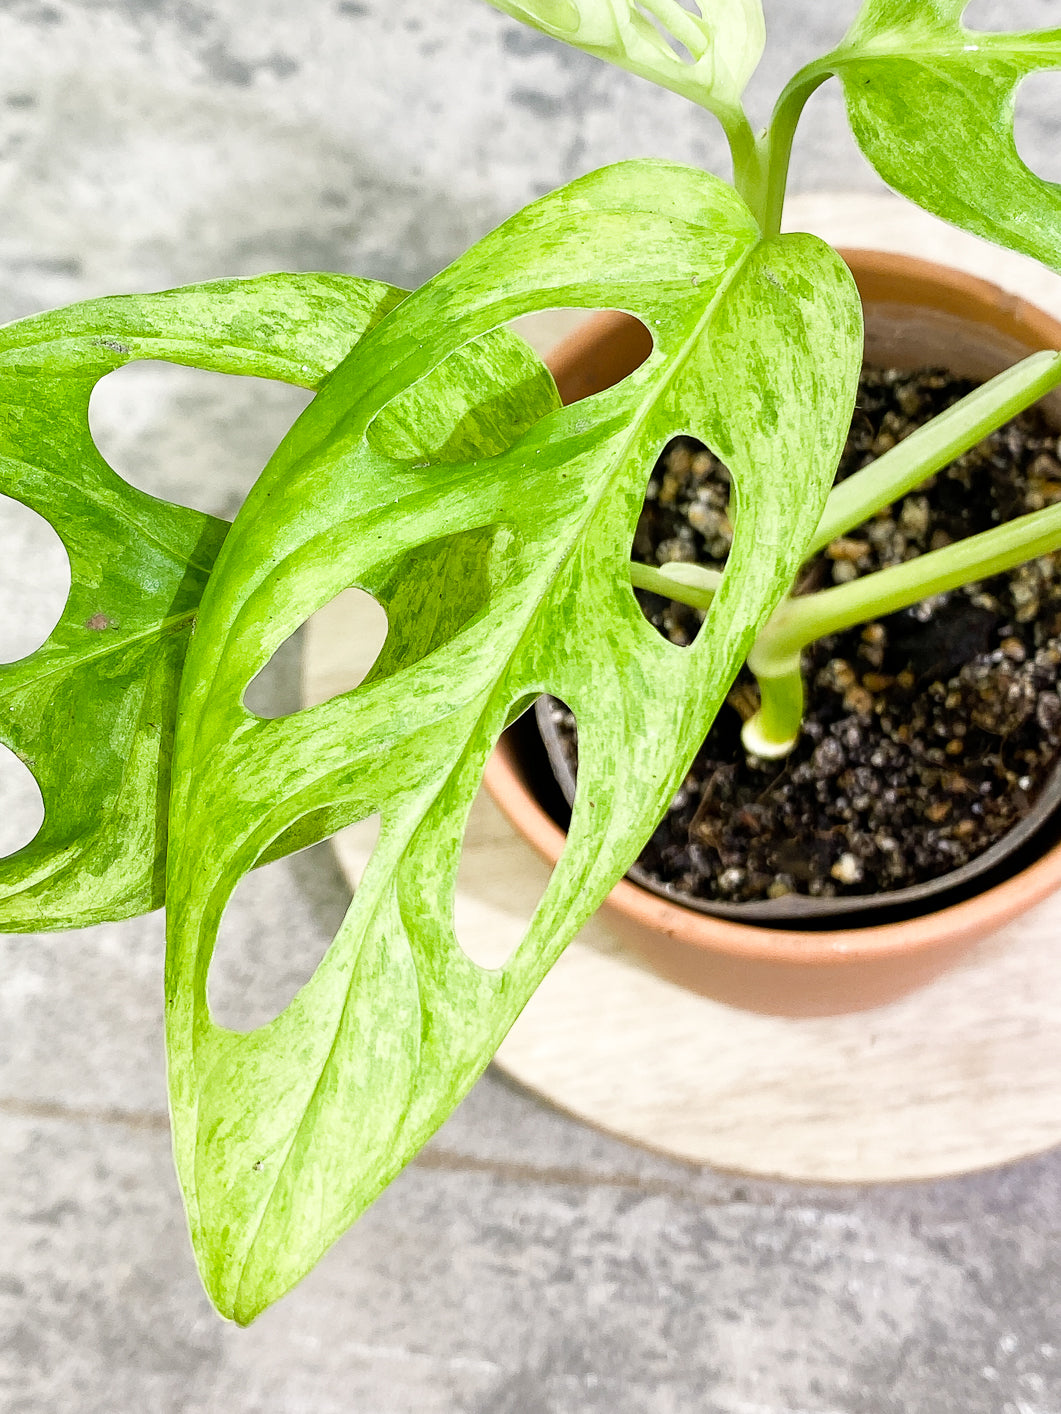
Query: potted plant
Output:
(437,470)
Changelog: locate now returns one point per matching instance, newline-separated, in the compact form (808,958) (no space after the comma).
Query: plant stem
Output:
(935,445)
(775,146)
(760,163)
(799,622)
(774,730)
(750,161)
(760,173)
(696,586)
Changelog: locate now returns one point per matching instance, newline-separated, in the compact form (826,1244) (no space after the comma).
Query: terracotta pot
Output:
(917,314)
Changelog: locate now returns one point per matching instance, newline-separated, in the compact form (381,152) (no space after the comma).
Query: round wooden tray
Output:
(962,1075)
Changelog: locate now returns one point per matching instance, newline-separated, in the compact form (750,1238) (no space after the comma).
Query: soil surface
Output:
(928,733)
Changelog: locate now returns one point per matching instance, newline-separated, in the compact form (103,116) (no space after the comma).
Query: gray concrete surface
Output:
(523,1265)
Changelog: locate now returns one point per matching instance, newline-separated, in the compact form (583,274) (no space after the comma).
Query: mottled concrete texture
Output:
(523,1265)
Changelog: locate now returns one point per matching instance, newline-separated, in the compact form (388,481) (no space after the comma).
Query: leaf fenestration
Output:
(502,576)
(92,710)
(723,38)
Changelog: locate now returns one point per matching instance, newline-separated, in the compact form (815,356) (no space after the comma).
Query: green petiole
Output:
(775,147)
(800,621)
(935,446)
(697,585)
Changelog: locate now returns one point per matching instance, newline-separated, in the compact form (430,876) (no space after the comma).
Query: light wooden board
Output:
(964,1074)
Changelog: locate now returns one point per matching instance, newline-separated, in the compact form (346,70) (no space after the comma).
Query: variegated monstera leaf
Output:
(708,54)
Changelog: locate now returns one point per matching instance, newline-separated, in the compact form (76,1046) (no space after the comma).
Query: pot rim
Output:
(982,913)
(795,910)
(925,284)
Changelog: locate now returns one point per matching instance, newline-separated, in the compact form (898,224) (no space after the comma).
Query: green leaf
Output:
(284,1134)
(724,40)
(92,711)
(931,105)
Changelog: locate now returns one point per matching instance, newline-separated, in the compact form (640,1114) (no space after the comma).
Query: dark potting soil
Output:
(927,734)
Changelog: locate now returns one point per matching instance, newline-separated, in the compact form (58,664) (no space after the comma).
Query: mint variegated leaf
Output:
(91,712)
(503,575)
(724,40)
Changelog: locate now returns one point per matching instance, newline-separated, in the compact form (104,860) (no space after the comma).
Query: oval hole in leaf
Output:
(37,579)
(350,632)
(1035,124)
(676,45)
(545,328)
(277,925)
(354,846)
(189,435)
(500,879)
(685,518)
(428,597)
(21,803)
(1009,16)
(586,350)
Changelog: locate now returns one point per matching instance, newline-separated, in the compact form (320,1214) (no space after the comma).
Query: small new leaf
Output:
(931,105)
(723,39)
